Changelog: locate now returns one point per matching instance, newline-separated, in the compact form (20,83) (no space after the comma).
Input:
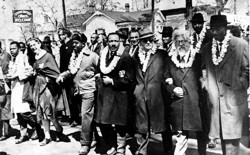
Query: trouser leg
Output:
(121,139)
(202,142)
(29,118)
(108,134)
(87,113)
(74,107)
(167,141)
(181,144)
(6,128)
(23,124)
(230,147)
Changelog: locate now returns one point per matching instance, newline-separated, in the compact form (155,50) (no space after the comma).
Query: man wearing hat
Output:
(150,107)
(83,67)
(226,60)
(167,37)
(199,38)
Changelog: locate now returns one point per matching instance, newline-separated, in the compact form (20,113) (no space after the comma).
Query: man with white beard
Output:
(182,73)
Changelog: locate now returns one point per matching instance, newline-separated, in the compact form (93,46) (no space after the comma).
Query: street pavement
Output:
(71,145)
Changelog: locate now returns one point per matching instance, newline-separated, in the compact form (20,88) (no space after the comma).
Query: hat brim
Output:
(219,24)
(203,21)
(147,36)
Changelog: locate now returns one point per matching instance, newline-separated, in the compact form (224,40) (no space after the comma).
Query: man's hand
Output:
(107,80)
(59,79)
(169,81)
(178,91)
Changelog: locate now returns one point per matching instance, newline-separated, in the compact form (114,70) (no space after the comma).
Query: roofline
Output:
(97,13)
(174,11)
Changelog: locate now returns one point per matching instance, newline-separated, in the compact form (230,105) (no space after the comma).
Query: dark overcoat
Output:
(185,111)
(150,109)
(227,85)
(112,100)
(5,110)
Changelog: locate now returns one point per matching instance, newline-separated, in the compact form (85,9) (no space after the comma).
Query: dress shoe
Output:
(212,143)
(73,124)
(4,138)
(22,139)
(84,150)
(111,151)
(45,141)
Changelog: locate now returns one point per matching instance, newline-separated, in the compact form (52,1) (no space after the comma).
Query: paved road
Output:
(72,145)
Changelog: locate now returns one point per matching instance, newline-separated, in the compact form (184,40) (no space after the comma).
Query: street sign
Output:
(22,16)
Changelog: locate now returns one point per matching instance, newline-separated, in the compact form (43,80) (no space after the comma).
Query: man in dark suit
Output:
(167,37)
(116,76)
(150,107)
(182,74)
(226,60)
(94,46)
(199,38)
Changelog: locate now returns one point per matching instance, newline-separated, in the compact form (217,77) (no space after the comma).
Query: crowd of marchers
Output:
(190,83)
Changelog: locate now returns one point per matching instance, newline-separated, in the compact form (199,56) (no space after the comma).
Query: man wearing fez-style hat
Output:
(226,60)
(167,37)
(150,113)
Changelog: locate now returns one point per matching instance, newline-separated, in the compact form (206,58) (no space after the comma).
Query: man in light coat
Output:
(226,61)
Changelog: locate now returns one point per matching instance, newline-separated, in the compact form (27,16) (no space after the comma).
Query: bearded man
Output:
(226,60)
(116,76)
(150,107)
(182,74)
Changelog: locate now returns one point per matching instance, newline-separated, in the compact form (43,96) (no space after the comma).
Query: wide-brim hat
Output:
(198,17)
(167,31)
(217,20)
(145,33)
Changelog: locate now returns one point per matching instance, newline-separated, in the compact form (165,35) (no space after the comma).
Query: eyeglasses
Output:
(136,37)
(115,41)
(147,40)
(181,41)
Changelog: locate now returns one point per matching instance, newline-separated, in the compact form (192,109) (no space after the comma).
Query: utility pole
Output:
(64,14)
(153,16)
(234,6)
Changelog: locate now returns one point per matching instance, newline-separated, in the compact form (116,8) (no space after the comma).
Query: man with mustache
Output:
(150,107)
(182,74)
(226,60)
(199,38)
(116,76)
(167,37)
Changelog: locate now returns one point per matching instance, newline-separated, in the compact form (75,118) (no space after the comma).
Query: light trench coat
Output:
(17,85)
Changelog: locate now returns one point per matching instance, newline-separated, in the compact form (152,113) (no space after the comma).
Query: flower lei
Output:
(201,36)
(75,61)
(107,69)
(216,60)
(143,58)
(190,55)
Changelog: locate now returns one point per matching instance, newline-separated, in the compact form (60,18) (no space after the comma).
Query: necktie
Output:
(220,45)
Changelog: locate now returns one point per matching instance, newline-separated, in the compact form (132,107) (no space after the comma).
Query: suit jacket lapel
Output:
(185,71)
(228,54)
(151,59)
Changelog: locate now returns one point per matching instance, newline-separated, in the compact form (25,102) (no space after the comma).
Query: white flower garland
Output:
(189,57)
(143,58)
(199,43)
(107,69)
(75,61)
(216,60)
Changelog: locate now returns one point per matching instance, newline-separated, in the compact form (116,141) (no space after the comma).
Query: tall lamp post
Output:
(64,14)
